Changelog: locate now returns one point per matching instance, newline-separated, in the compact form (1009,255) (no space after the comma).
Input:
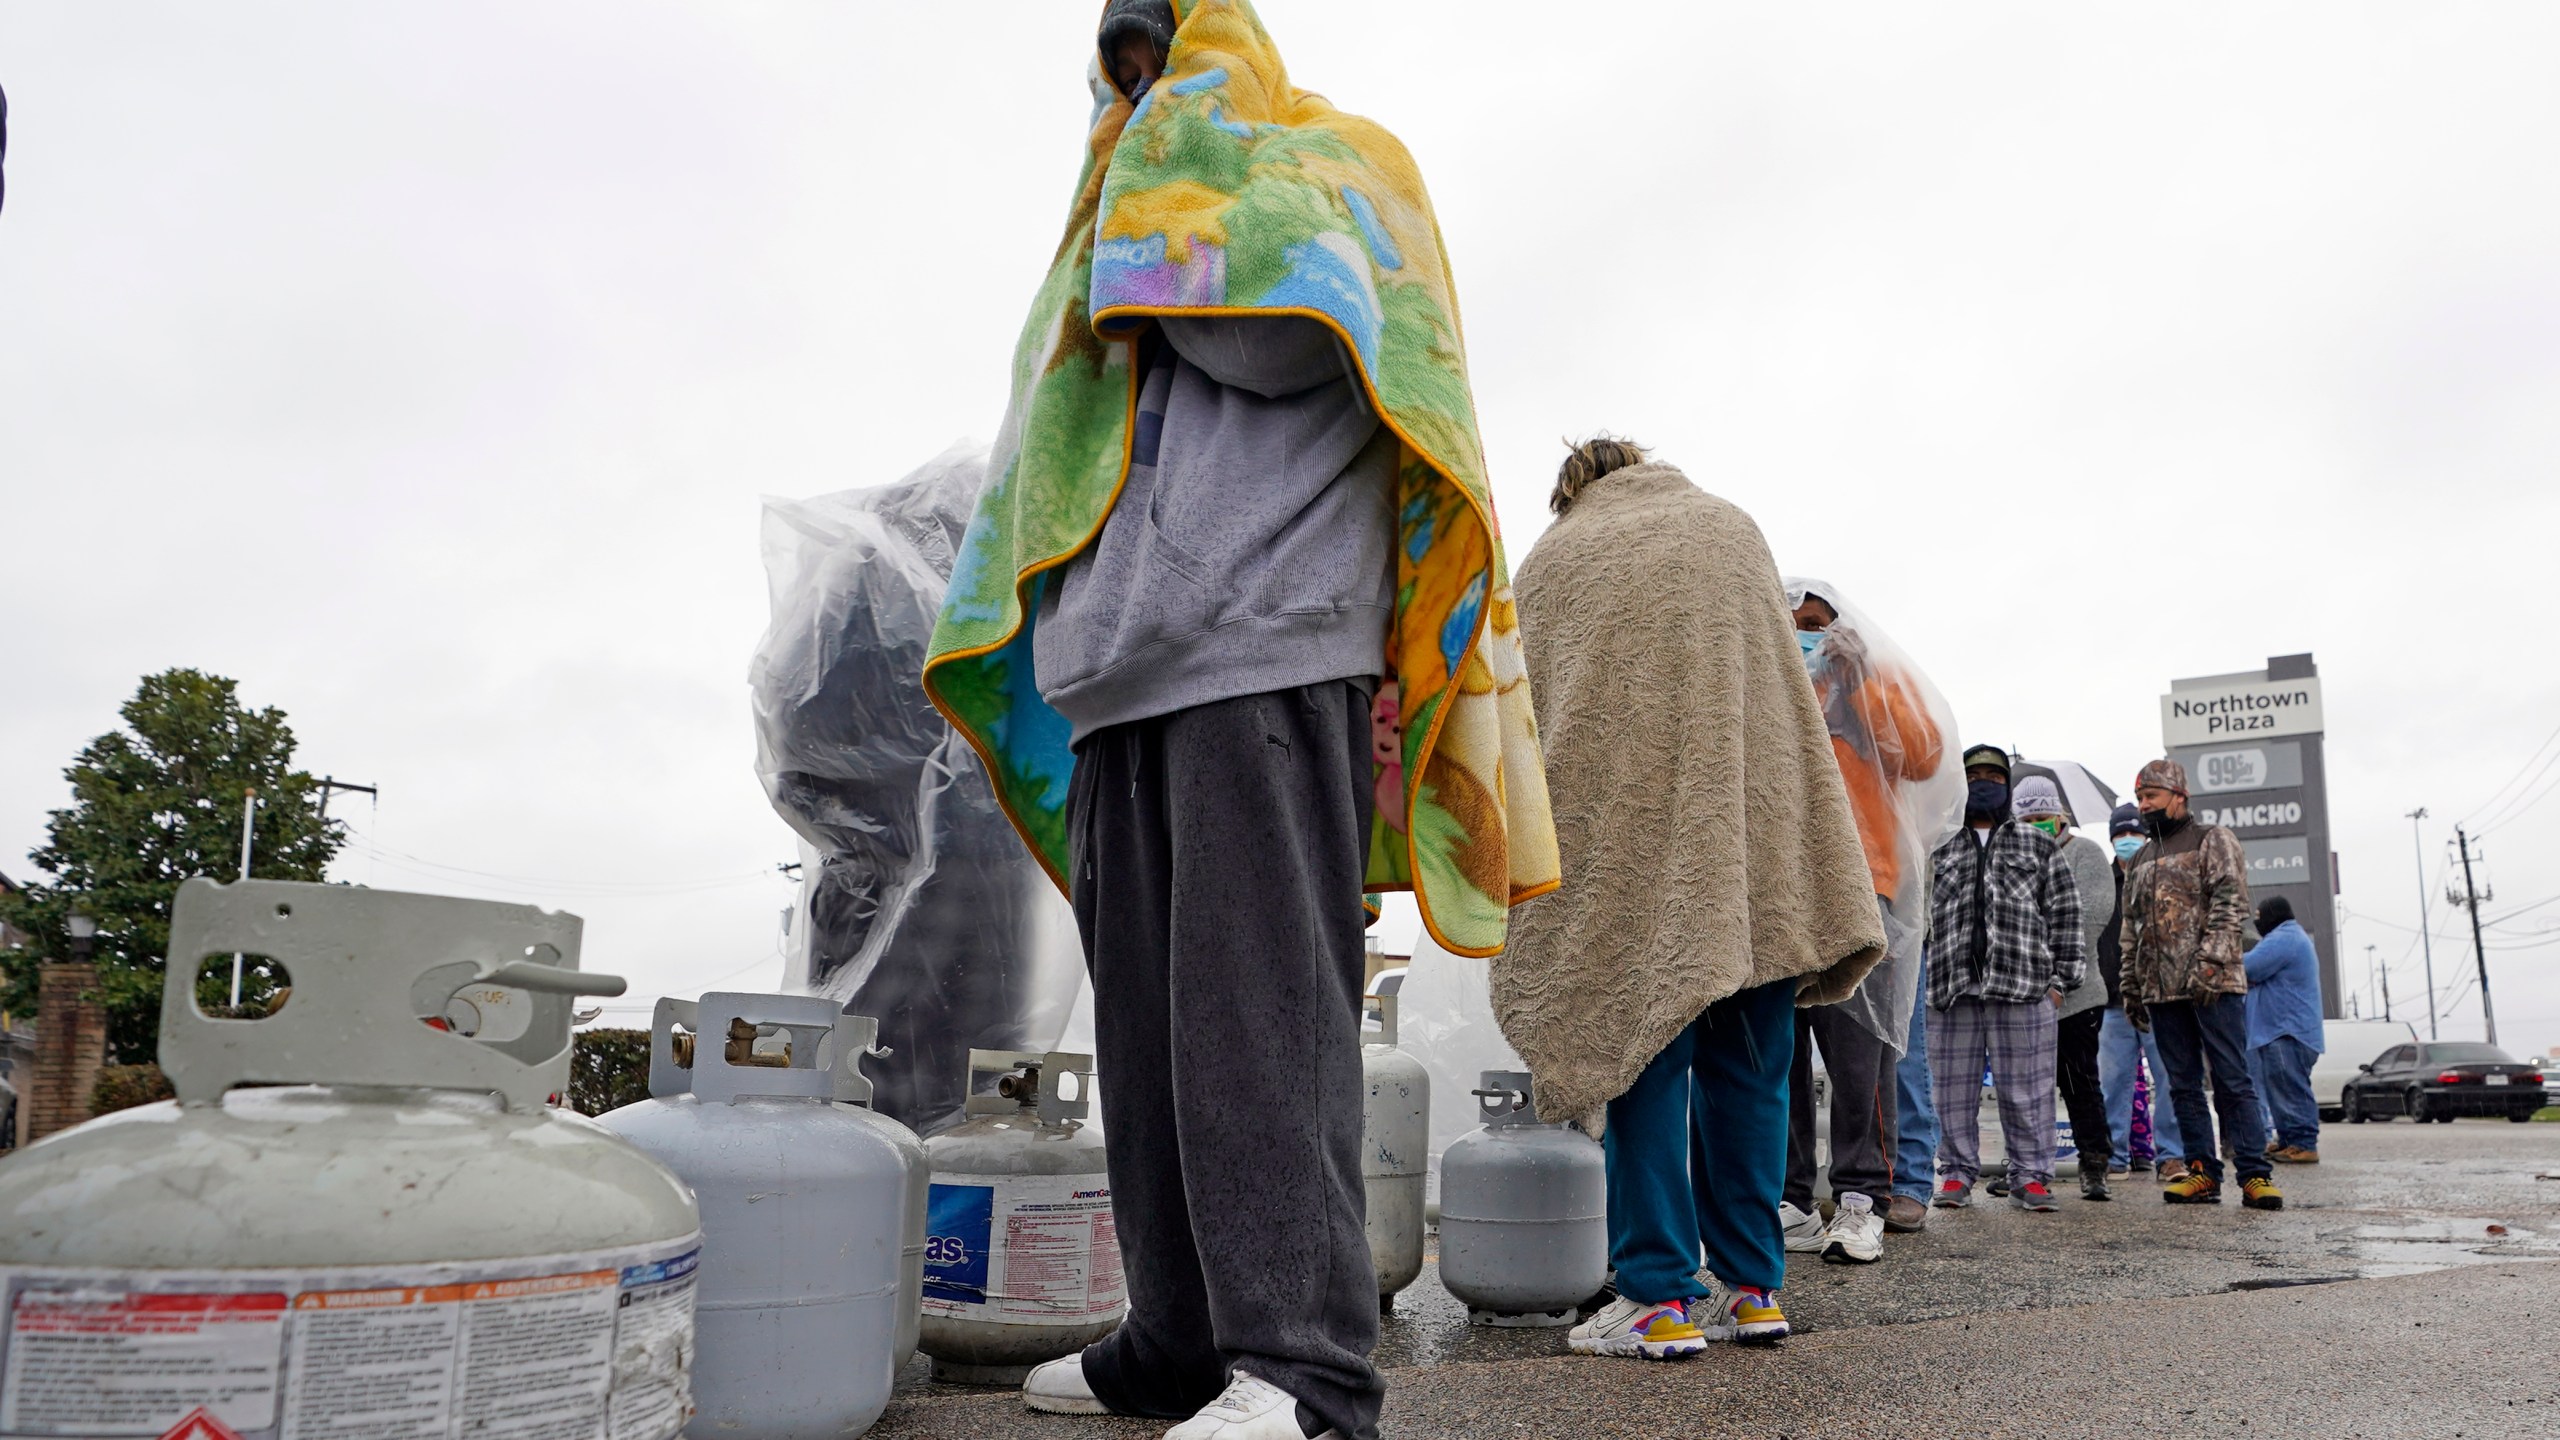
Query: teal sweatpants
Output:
(1674,1186)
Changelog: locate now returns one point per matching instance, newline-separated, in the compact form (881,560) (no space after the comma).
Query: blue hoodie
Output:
(2284,988)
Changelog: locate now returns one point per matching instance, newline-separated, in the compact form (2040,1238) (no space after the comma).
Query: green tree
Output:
(152,805)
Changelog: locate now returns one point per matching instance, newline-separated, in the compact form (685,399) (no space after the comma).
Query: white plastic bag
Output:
(920,904)
(1444,1018)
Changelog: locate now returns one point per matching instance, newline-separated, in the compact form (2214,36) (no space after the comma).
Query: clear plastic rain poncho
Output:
(1895,738)
(922,906)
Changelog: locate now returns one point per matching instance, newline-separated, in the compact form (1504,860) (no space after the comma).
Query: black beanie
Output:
(1151,18)
(2272,912)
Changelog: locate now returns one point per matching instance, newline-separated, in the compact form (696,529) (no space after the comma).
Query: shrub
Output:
(121,1087)
(608,1069)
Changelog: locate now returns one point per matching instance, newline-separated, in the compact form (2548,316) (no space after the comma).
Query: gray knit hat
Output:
(2035,798)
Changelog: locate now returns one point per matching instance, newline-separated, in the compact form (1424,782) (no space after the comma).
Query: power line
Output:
(2514,811)
(420,865)
(2511,780)
(2519,910)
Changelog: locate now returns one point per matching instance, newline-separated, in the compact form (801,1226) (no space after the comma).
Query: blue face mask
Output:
(2127,846)
(1808,641)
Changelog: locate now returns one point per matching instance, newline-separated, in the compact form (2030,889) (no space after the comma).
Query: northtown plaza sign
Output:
(2236,708)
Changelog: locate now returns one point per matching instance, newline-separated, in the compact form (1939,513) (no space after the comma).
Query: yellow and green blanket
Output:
(1228,191)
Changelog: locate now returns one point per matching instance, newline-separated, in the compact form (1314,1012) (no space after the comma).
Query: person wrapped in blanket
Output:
(1889,731)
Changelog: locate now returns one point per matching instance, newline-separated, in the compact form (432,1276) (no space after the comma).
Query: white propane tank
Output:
(1524,1212)
(812,1211)
(1395,1153)
(1022,1264)
(389,1232)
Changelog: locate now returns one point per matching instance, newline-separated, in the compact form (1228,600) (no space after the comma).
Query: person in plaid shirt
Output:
(2005,946)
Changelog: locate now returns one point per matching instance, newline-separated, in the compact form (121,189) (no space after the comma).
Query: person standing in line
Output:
(2083,1010)
(1717,883)
(2186,911)
(2122,1050)
(1915,1151)
(1236,502)
(2004,913)
(1888,732)
(2285,1033)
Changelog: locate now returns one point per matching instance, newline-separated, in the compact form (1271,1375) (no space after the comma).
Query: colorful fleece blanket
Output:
(1228,191)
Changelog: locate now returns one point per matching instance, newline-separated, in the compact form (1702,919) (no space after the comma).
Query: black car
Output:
(2442,1080)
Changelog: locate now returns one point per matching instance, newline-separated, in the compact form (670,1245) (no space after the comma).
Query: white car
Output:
(2350,1045)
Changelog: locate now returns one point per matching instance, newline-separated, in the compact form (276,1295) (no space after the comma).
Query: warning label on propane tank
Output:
(1022,1248)
(588,1347)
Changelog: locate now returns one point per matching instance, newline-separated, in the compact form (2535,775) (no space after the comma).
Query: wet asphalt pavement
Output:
(2380,1302)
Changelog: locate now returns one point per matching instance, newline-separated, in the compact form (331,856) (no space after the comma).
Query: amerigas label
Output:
(1023,1249)
(592,1345)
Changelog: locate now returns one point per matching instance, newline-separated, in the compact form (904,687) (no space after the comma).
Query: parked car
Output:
(2549,1065)
(2348,1046)
(2442,1080)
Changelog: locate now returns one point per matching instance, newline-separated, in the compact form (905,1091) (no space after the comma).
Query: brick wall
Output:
(71,1045)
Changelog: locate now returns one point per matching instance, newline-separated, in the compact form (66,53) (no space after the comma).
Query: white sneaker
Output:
(1856,1233)
(1646,1332)
(1059,1388)
(1802,1232)
(1251,1409)
(1745,1317)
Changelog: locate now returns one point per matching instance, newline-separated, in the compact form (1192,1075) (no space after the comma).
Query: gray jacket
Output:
(2094,870)
(1253,545)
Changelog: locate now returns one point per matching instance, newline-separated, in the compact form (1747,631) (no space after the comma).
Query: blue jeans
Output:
(2120,1047)
(2284,1078)
(2209,1043)
(1665,1201)
(1915,1150)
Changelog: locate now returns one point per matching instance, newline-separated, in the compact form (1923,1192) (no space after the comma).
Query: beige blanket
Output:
(1707,839)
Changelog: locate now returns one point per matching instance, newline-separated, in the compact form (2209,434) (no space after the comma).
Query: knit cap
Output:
(2127,820)
(2037,797)
(2166,773)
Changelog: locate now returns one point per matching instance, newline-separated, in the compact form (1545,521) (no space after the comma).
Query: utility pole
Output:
(2385,972)
(332,782)
(2425,938)
(2472,897)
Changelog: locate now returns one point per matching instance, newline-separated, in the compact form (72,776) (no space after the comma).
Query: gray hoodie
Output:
(1253,546)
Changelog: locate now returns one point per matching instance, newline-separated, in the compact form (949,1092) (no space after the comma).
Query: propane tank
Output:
(389,1229)
(806,1311)
(1022,1264)
(1395,1153)
(1524,1212)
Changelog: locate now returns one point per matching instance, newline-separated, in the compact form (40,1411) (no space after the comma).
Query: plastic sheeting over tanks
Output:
(922,907)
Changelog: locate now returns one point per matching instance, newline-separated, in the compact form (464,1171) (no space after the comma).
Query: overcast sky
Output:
(420,366)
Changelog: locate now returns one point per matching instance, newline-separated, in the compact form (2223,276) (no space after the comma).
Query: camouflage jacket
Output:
(2186,919)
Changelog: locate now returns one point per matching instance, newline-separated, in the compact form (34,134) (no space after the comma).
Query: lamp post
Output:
(84,935)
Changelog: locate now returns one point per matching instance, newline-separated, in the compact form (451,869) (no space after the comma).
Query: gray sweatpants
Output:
(1217,858)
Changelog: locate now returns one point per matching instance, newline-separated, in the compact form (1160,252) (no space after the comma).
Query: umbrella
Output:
(2084,794)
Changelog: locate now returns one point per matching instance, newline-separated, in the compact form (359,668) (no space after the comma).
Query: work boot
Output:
(2294,1155)
(1905,1215)
(2093,1185)
(2171,1170)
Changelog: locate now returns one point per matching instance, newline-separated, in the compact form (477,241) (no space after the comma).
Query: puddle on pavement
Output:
(2416,1247)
